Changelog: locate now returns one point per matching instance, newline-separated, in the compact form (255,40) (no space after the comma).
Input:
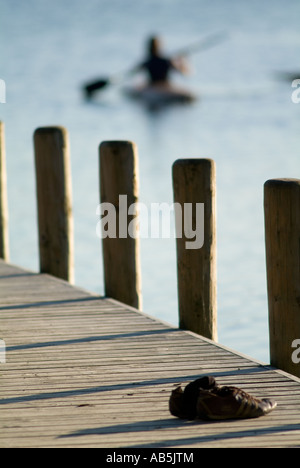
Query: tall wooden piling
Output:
(4,237)
(119,190)
(282,236)
(194,182)
(54,198)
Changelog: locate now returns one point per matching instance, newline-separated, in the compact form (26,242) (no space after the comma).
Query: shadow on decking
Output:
(172,423)
(60,302)
(124,386)
(223,436)
(16,275)
(90,339)
(140,426)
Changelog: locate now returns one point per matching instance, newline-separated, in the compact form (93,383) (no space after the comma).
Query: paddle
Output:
(203,44)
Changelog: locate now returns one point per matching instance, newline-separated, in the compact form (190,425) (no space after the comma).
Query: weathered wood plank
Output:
(194,184)
(282,226)
(83,371)
(4,235)
(121,253)
(54,201)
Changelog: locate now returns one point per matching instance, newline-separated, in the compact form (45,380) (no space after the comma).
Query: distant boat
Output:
(160,95)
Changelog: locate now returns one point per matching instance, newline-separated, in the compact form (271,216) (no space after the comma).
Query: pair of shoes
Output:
(204,399)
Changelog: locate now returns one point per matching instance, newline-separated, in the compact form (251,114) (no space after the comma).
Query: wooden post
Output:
(282,235)
(121,256)
(194,183)
(4,241)
(54,197)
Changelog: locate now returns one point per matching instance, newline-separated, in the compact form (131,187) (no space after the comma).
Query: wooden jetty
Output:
(86,371)
(79,370)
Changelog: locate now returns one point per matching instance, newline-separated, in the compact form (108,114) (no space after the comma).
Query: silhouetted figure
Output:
(157,66)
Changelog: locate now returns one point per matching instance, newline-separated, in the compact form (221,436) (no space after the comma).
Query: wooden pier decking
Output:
(85,371)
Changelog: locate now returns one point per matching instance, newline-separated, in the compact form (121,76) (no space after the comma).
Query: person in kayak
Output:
(157,66)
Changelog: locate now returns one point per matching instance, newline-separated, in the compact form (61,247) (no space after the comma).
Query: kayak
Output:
(160,95)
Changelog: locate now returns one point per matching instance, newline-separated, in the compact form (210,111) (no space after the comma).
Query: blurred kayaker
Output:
(157,66)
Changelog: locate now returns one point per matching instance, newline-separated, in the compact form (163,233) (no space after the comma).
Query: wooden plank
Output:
(4,235)
(282,226)
(194,183)
(54,200)
(83,371)
(119,177)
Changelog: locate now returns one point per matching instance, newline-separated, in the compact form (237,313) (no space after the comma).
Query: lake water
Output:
(245,120)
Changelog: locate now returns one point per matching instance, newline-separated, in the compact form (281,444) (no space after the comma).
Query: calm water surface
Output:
(244,120)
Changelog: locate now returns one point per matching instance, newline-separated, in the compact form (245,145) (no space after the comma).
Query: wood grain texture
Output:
(282,229)
(86,371)
(121,251)
(194,182)
(54,200)
(4,234)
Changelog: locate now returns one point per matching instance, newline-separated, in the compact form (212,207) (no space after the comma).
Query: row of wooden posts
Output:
(194,181)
